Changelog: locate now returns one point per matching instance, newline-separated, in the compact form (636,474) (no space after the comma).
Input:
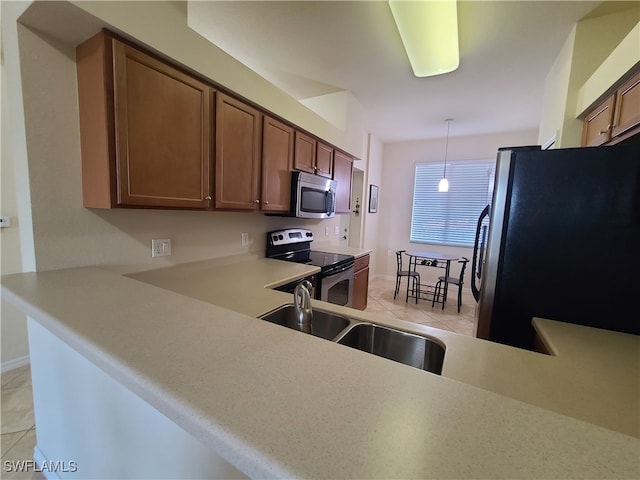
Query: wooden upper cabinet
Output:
(305,153)
(342,169)
(238,154)
(312,156)
(597,125)
(145,129)
(616,118)
(324,160)
(277,162)
(627,107)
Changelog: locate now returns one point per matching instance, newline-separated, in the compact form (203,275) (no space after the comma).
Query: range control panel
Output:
(289,236)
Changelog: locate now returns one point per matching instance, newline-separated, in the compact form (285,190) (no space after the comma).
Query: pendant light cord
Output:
(446,148)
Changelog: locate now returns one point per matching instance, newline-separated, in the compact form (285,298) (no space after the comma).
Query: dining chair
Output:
(452,281)
(403,273)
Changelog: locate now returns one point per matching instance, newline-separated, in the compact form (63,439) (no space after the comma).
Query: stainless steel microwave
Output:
(312,196)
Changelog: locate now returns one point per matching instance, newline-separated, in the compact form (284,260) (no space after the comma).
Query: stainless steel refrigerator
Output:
(563,242)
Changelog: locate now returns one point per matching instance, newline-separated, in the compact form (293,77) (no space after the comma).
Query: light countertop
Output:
(356,252)
(496,411)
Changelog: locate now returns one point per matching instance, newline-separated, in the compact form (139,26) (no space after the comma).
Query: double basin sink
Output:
(407,348)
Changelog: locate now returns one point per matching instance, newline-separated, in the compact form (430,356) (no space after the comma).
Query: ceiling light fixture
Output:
(429,32)
(443,186)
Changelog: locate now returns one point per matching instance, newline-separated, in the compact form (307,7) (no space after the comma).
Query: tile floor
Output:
(18,425)
(381,300)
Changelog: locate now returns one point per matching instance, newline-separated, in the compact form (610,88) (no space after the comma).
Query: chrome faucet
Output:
(302,305)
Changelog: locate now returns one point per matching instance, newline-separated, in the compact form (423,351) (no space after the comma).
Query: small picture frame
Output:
(373,199)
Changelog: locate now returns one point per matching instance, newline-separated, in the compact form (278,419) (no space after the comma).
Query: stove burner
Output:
(294,245)
(326,260)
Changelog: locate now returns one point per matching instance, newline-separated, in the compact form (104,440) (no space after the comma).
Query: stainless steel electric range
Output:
(334,283)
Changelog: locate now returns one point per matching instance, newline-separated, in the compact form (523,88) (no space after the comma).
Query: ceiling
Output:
(310,48)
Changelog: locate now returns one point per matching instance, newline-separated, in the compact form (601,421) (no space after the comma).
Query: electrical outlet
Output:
(161,247)
(336,230)
(326,231)
(245,239)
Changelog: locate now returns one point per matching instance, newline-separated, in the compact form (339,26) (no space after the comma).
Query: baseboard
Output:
(15,363)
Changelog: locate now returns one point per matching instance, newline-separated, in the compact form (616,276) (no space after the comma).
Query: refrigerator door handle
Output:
(474,264)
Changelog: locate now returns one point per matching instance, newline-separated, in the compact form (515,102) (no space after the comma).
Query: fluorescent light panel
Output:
(429,32)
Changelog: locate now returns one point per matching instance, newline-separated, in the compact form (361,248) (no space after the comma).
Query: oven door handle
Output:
(337,270)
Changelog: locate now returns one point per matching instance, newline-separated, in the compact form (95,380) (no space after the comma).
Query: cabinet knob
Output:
(256,201)
(208,197)
(266,202)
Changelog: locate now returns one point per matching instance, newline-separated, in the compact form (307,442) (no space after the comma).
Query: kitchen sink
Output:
(323,324)
(413,350)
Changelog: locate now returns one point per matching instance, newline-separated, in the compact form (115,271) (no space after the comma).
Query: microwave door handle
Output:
(474,287)
(330,201)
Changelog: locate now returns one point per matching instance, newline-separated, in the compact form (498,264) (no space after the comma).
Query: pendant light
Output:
(443,186)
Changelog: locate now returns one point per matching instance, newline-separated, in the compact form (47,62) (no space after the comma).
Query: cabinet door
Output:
(342,168)
(361,282)
(324,160)
(163,129)
(305,153)
(627,103)
(277,161)
(597,125)
(360,289)
(237,177)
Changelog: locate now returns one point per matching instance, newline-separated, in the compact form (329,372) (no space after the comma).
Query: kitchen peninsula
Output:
(169,374)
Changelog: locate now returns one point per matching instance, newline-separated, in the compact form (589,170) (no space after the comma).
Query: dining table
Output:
(431,259)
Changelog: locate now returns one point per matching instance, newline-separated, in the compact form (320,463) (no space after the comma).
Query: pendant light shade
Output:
(443,186)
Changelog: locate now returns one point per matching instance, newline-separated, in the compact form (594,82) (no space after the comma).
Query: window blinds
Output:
(450,218)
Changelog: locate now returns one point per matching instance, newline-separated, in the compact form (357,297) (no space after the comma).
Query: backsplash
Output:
(194,235)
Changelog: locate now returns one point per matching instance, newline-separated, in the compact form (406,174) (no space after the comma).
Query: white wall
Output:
(615,66)
(396,191)
(14,350)
(373,176)
(588,46)
(14,333)
(556,90)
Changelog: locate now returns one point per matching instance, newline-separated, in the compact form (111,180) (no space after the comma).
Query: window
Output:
(450,218)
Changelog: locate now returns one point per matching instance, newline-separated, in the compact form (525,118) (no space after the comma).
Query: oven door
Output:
(337,286)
